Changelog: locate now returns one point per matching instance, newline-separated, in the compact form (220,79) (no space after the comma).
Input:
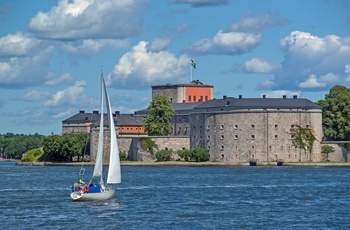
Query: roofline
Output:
(181,85)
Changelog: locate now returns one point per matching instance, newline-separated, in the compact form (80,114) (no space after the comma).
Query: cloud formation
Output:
(88,19)
(141,68)
(312,62)
(258,65)
(239,38)
(201,3)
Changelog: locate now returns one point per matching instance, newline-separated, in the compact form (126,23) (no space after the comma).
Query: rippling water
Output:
(180,197)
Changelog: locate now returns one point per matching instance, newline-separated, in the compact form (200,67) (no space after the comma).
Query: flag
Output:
(193,63)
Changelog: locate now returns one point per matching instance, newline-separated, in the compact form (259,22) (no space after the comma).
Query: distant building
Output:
(193,92)
(240,129)
(126,124)
(231,129)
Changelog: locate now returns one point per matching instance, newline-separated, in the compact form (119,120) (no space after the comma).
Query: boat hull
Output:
(104,195)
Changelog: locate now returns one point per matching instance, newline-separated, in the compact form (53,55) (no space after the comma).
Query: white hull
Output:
(105,195)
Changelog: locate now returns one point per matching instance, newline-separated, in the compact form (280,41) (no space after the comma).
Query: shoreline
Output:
(183,163)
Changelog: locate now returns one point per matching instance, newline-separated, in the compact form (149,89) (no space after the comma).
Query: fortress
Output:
(231,129)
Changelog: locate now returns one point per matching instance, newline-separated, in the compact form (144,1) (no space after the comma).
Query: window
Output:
(292,126)
(208,137)
(253,147)
(206,98)
(222,137)
(236,147)
(208,127)
(179,128)
(194,98)
(208,147)
(236,137)
(253,137)
(189,98)
(276,137)
(221,126)
(236,127)
(222,148)
(194,127)
(252,126)
(201,98)
(276,126)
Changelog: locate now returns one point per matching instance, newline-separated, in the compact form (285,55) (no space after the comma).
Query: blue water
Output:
(180,197)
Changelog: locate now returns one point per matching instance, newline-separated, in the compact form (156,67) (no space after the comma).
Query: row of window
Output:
(235,137)
(222,147)
(195,98)
(276,156)
(236,127)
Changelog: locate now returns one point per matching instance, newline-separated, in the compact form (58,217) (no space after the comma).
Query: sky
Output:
(52,53)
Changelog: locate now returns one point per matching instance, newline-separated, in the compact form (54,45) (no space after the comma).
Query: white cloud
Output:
(36,95)
(142,68)
(266,84)
(56,81)
(226,43)
(258,65)
(158,44)
(69,96)
(311,82)
(90,47)
(201,3)
(259,23)
(18,44)
(80,19)
(312,62)
(281,93)
(21,72)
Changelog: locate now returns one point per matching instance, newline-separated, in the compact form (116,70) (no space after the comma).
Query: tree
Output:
(64,148)
(336,113)
(326,149)
(156,122)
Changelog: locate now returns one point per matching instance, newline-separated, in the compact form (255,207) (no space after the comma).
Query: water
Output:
(180,197)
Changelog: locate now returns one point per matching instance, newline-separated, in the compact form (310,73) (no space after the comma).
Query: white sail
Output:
(99,154)
(114,175)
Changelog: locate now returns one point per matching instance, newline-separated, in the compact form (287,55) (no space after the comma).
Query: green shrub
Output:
(123,156)
(164,155)
(197,154)
(32,155)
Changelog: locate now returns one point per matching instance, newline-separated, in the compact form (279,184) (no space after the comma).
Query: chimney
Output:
(95,112)
(264,96)
(284,96)
(224,97)
(117,113)
(240,96)
(295,96)
(81,111)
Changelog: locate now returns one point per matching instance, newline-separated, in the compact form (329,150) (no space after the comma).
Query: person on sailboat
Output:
(81,181)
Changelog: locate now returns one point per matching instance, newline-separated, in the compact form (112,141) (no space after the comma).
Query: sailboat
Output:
(96,189)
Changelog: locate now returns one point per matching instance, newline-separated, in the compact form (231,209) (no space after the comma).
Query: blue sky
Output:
(51,52)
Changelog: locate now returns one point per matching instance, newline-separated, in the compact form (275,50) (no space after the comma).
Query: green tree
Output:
(336,113)
(15,145)
(327,149)
(156,122)
(64,148)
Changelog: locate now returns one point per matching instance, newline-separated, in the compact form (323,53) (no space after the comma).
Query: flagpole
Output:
(190,72)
